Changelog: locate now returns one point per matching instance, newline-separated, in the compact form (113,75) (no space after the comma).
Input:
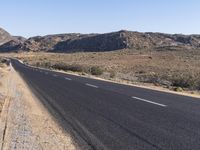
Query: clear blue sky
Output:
(41,17)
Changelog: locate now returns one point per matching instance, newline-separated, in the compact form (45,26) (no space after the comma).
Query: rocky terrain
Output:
(98,42)
(4,36)
(10,43)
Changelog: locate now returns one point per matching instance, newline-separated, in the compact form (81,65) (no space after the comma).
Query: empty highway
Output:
(118,117)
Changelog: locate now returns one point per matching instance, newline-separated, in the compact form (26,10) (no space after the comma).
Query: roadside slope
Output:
(28,123)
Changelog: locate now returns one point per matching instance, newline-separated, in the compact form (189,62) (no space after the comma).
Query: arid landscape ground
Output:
(175,69)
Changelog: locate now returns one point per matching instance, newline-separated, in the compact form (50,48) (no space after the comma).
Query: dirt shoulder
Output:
(4,70)
(26,123)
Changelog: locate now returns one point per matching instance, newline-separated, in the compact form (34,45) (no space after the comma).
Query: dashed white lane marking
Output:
(55,75)
(46,73)
(68,79)
(144,100)
(94,86)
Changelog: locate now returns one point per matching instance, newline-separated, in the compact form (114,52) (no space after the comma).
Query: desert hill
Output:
(97,42)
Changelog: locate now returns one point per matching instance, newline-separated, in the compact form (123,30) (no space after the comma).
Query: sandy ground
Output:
(25,123)
(3,82)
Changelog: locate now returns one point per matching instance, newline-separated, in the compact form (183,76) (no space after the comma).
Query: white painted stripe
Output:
(94,86)
(144,100)
(46,73)
(68,79)
(55,75)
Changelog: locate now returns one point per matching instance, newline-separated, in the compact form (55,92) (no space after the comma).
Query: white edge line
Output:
(144,100)
(68,79)
(94,86)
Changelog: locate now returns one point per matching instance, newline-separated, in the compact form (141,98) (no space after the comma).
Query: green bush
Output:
(96,70)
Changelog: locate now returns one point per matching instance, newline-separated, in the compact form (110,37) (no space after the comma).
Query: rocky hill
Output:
(10,43)
(98,42)
(4,36)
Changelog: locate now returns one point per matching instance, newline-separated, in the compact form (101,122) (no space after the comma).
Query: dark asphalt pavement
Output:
(118,117)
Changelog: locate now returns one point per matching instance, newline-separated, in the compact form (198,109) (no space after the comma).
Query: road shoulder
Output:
(26,124)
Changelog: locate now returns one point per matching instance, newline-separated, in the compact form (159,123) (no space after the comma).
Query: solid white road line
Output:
(68,79)
(94,86)
(144,100)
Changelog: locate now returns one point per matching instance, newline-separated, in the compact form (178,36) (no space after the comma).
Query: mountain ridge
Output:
(73,42)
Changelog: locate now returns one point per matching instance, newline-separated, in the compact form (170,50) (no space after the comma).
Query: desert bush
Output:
(37,64)
(150,78)
(186,80)
(47,64)
(73,67)
(4,61)
(43,64)
(176,79)
(96,70)
(112,74)
(178,89)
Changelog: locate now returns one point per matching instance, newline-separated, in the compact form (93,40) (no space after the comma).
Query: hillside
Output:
(9,43)
(4,36)
(74,42)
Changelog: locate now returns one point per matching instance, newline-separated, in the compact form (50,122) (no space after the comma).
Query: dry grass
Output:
(179,68)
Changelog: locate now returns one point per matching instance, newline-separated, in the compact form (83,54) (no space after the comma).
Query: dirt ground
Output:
(3,74)
(25,123)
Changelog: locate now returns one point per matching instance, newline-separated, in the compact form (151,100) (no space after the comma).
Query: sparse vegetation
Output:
(178,89)
(168,68)
(73,67)
(112,74)
(96,70)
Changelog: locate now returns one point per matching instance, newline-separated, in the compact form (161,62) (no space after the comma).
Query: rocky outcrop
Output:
(10,43)
(47,43)
(95,42)
(127,39)
(4,36)
(11,46)
(98,42)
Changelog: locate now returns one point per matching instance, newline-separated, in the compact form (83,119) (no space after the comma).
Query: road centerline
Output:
(94,86)
(148,101)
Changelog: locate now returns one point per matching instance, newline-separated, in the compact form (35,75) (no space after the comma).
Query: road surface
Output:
(118,117)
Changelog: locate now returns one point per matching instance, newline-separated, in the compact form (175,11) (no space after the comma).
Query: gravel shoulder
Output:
(26,124)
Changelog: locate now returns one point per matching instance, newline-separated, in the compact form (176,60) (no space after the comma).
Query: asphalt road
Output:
(118,117)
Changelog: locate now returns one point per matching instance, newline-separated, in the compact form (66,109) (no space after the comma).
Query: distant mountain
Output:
(10,43)
(98,42)
(47,43)
(4,36)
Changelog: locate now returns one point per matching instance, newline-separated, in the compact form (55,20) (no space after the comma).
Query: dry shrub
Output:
(95,70)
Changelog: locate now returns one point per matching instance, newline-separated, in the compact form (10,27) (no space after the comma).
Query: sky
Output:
(41,17)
